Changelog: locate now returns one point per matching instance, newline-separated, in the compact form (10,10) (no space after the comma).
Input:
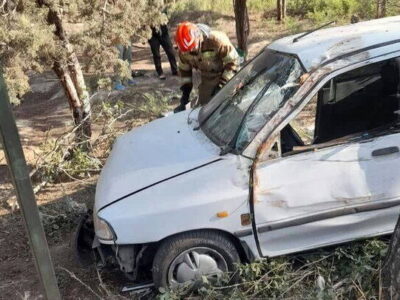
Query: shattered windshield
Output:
(248,101)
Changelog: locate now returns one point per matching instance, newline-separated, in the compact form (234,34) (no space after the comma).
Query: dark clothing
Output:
(161,37)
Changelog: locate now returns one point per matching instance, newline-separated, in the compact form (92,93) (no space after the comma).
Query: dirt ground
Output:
(44,112)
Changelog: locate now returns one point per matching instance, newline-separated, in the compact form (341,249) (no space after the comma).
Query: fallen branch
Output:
(73,276)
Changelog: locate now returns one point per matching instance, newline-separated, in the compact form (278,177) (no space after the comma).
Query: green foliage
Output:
(221,6)
(261,5)
(325,11)
(72,163)
(350,271)
(293,24)
(155,104)
(328,10)
(61,215)
(318,11)
(94,28)
(64,159)
(25,44)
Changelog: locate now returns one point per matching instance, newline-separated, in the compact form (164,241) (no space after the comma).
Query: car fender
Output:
(191,201)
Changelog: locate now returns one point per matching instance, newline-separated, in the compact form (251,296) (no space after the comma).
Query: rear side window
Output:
(360,103)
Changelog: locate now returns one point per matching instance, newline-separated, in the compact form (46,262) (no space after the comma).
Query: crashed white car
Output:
(298,151)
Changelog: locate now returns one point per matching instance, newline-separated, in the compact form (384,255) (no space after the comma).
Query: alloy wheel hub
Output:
(194,263)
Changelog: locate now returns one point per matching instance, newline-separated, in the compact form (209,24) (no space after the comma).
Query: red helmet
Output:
(187,36)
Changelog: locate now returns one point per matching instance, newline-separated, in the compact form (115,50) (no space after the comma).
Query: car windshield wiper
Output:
(225,149)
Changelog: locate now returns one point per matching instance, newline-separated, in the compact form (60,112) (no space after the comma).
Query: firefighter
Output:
(208,51)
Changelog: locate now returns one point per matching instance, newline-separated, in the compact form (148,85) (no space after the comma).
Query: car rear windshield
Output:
(239,111)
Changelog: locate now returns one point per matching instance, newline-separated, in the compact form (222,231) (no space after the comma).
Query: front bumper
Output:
(89,249)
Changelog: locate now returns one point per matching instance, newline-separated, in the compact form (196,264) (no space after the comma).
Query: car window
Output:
(282,82)
(361,103)
(247,102)
(304,122)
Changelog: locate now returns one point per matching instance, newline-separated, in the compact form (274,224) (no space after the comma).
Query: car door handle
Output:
(385,151)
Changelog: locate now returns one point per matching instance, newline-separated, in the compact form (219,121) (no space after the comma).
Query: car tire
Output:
(206,245)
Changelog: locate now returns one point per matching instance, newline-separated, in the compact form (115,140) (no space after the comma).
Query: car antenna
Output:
(311,31)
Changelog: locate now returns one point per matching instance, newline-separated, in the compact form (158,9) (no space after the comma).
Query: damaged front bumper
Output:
(90,250)
(87,246)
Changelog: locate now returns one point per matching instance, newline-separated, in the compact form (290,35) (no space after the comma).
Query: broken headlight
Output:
(103,229)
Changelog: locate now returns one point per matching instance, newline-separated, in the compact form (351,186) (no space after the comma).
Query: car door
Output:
(335,190)
(328,196)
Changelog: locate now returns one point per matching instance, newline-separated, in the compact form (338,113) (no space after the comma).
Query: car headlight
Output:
(103,229)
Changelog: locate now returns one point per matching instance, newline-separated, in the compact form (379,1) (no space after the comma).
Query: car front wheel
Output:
(189,256)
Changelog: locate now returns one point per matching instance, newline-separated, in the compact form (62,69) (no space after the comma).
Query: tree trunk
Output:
(280,10)
(67,82)
(71,76)
(283,9)
(391,268)
(80,87)
(242,24)
(380,8)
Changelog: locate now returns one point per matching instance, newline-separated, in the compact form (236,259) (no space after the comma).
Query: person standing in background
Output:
(125,54)
(160,37)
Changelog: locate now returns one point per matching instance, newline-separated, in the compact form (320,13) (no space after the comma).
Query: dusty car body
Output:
(299,150)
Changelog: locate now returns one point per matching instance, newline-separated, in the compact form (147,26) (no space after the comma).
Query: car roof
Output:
(326,44)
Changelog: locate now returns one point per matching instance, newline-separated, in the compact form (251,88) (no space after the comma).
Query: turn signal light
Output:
(222,214)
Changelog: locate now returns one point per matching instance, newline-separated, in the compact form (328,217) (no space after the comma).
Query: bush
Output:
(293,25)
(351,271)
(323,10)
(261,5)
(328,10)
(221,6)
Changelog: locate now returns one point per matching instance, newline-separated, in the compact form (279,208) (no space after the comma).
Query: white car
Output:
(298,151)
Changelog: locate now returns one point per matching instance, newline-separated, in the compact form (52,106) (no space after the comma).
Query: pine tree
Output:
(34,36)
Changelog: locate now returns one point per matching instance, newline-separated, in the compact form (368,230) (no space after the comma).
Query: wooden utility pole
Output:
(12,148)
(242,25)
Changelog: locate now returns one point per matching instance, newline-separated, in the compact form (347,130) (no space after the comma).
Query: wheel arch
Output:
(245,254)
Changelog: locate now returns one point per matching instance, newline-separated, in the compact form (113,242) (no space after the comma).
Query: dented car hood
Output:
(152,153)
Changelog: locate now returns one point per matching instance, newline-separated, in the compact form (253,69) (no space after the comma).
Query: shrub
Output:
(350,271)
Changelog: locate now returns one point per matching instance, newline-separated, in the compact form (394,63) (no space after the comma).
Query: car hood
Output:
(152,153)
